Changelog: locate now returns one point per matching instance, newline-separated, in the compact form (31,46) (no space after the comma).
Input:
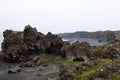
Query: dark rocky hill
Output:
(99,35)
(117,34)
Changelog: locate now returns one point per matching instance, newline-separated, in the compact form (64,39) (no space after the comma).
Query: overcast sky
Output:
(60,15)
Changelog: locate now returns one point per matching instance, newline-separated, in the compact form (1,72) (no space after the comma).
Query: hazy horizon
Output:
(59,16)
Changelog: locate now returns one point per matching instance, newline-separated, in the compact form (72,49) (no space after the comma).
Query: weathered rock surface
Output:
(76,51)
(65,72)
(84,52)
(14,70)
(17,46)
(103,52)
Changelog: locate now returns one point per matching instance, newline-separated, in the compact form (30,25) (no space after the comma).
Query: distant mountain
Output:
(99,35)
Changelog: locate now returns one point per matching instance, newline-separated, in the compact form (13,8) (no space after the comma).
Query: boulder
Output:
(45,65)
(65,73)
(14,70)
(76,51)
(29,64)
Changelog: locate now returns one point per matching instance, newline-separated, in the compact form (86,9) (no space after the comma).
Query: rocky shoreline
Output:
(32,55)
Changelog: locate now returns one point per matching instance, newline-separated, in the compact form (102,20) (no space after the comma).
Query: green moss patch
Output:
(65,62)
(47,57)
(94,69)
(116,77)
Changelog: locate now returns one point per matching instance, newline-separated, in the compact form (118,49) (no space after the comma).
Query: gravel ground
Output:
(31,73)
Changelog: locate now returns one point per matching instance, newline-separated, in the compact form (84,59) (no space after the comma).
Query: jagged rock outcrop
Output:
(76,51)
(13,46)
(30,34)
(84,52)
(50,43)
(17,46)
(11,38)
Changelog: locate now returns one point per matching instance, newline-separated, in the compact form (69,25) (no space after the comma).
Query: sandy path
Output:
(31,73)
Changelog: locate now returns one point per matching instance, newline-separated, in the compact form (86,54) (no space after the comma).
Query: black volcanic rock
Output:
(84,52)
(30,34)
(18,45)
(11,38)
(76,50)
(50,43)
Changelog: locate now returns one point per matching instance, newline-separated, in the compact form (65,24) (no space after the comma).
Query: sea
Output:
(92,42)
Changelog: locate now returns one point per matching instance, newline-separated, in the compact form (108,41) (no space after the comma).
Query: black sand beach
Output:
(32,73)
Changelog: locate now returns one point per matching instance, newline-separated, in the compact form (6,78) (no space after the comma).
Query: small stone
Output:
(14,70)
(39,74)
(45,65)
